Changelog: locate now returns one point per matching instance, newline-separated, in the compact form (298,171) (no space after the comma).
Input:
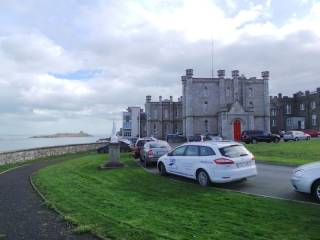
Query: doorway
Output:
(237,130)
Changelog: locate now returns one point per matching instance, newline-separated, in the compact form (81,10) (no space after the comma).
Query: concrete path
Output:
(22,213)
(271,181)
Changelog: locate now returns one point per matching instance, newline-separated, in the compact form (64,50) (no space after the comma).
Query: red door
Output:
(237,130)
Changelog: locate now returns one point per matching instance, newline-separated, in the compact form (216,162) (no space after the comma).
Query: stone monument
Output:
(113,160)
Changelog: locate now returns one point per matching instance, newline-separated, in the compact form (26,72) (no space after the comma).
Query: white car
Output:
(306,178)
(218,162)
(295,136)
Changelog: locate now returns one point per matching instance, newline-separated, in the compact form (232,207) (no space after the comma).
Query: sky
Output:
(71,65)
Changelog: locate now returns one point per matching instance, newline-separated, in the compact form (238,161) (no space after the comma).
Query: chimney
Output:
(171,99)
(307,93)
(265,75)
(160,98)
(148,98)
(221,73)
(235,73)
(189,73)
(279,95)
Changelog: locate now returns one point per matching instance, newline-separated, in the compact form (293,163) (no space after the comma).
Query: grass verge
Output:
(130,203)
(295,153)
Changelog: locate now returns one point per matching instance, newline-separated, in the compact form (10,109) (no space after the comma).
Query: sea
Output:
(19,142)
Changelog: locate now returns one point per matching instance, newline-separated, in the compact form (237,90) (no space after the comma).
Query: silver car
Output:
(295,136)
(152,151)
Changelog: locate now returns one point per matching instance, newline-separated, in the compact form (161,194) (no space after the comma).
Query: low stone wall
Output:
(30,154)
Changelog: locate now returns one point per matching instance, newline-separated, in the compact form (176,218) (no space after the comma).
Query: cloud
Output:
(71,65)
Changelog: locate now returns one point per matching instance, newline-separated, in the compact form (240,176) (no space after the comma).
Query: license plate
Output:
(244,164)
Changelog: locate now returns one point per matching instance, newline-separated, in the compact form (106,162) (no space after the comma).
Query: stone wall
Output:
(30,154)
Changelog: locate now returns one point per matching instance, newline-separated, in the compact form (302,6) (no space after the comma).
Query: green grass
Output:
(68,156)
(130,203)
(300,152)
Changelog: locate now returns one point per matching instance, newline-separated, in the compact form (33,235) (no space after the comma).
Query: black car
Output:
(124,147)
(176,138)
(254,136)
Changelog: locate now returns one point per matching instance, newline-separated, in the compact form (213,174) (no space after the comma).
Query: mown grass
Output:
(130,203)
(68,156)
(300,152)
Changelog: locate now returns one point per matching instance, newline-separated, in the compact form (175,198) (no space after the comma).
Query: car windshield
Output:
(234,151)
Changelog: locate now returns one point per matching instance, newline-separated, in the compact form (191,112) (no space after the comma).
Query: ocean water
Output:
(18,142)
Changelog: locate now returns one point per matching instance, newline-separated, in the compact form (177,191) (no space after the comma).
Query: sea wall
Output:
(30,154)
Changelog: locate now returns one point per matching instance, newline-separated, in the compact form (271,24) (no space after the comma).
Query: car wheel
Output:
(316,190)
(308,138)
(254,141)
(286,140)
(276,140)
(296,139)
(162,169)
(203,178)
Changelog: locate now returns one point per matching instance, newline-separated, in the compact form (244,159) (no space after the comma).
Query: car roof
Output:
(218,144)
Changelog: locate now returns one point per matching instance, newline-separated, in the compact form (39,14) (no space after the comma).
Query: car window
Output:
(206,151)
(234,151)
(192,151)
(179,151)
(158,145)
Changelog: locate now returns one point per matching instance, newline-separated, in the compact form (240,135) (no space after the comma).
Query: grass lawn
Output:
(130,203)
(61,158)
(300,152)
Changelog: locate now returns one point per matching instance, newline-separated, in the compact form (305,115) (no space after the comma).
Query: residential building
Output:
(133,123)
(301,111)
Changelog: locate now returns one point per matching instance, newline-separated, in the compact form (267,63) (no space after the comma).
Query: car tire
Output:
(254,141)
(276,140)
(285,140)
(162,169)
(308,138)
(296,139)
(316,190)
(203,178)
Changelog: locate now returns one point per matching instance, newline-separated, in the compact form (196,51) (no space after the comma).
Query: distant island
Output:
(62,135)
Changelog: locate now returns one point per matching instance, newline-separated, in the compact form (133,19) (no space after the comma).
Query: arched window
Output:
(205,91)
(205,107)
(206,126)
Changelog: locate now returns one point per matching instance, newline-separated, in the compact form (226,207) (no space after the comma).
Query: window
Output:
(205,91)
(314,120)
(155,114)
(192,151)
(274,123)
(273,112)
(302,106)
(179,151)
(228,92)
(289,121)
(165,129)
(288,109)
(313,105)
(205,107)
(250,92)
(176,112)
(234,151)
(166,114)
(154,130)
(206,151)
(206,127)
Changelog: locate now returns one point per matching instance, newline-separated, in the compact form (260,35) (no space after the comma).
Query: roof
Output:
(218,144)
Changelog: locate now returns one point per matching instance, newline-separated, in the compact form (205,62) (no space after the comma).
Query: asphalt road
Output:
(271,181)
(23,214)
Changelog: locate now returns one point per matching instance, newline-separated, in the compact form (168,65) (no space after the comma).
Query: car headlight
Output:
(298,173)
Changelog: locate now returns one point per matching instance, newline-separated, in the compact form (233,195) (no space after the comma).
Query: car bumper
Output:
(224,176)
(300,184)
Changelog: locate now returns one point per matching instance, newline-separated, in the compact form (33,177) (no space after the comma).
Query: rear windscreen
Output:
(158,145)
(234,151)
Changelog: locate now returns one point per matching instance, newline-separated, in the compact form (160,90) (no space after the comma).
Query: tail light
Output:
(150,153)
(223,161)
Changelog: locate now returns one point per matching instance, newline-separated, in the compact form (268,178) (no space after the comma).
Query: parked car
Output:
(124,147)
(312,132)
(195,138)
(295,136)
(306,178)
(218,162)
(152,151)
(255,136)
(139,144)
(176,138)
(213,138)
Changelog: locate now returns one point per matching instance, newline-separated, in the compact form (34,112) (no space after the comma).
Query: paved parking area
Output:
(271,181)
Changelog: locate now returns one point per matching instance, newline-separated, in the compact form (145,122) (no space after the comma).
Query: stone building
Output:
(163,117)
(301,111)
(223,106)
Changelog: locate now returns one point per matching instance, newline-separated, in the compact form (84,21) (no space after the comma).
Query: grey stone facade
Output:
(301,111)
(163,117)
(223,106)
